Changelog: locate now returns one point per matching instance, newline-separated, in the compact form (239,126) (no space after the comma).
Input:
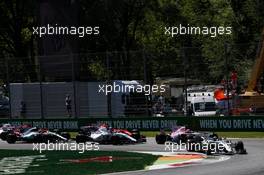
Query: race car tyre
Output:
(135,134)
(210,150)
(239,148)
(183,138)
(161,138)
(48,139)
(3,136)
(116,140)
(80,138)
(168,138)
(11,138)
(38,139)
(191,145)
(53,139)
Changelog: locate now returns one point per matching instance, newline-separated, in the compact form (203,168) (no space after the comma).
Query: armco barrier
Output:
(245,123)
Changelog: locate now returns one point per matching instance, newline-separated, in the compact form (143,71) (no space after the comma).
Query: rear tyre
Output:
(80,138)
(191,146)
(161,139)
(210,149)
(3,136)
(116,140)
(11,138)
(239,147)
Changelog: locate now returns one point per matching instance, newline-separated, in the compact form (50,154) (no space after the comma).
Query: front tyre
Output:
(80,138)
(239,148)
(161,139)
(3,136)
(11,138)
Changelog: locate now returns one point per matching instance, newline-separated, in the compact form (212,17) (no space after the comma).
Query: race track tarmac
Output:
(250,164)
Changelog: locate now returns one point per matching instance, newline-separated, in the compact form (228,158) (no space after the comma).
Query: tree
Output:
(17,19)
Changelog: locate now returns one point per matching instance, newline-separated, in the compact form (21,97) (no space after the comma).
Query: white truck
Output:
(201,101)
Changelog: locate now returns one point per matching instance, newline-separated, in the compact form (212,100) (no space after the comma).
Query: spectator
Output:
(234,80)
(68,105)
(161,100)
(22,109)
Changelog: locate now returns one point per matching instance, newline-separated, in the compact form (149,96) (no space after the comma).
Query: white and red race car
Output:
(106,135)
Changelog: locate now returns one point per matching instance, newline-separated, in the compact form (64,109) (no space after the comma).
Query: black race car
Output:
(35,135)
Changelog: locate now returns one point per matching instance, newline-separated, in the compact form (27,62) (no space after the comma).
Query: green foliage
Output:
(128,25)
(98,71)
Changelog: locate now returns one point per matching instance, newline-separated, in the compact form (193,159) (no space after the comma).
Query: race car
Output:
(213,145)
(107,135)
(204,142)
(5,129)
(178,134)
(35,135)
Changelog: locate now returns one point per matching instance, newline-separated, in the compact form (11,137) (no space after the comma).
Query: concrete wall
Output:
(89,103)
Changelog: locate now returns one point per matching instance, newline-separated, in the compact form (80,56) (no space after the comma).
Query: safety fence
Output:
(37,86)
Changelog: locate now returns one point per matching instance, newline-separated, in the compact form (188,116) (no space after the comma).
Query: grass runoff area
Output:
(246,134)
(72,162)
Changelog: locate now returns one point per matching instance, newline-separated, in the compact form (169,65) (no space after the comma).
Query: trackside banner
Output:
(247,123)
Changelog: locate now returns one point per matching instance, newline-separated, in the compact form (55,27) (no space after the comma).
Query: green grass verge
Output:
(248,134)
(53,164)
(73,134)
(221,134)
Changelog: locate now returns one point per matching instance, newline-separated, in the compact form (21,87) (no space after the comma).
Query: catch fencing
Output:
(37,86)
